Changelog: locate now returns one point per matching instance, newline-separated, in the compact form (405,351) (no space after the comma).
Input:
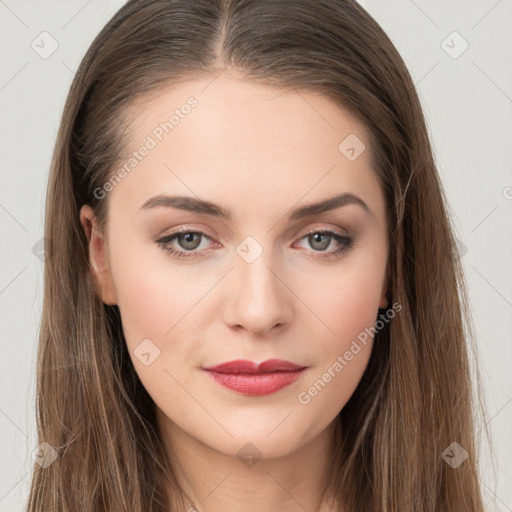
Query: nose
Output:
(259,298)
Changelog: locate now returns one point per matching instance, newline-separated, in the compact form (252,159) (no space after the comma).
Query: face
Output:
(251,275)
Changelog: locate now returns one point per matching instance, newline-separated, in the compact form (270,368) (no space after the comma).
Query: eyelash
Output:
(346,242)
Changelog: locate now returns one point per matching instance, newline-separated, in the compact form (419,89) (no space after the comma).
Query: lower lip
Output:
(256,384)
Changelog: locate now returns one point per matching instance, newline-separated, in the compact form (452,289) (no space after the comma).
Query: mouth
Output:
(255,379)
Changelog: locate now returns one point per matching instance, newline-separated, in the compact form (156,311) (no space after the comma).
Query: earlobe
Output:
(384,300)
(98,256)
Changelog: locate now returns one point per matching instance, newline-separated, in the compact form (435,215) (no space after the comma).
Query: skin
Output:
(260,153)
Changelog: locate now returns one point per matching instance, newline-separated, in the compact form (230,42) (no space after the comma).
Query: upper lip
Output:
(244,366)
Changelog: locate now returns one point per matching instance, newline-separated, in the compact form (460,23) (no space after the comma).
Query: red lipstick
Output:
(255,379)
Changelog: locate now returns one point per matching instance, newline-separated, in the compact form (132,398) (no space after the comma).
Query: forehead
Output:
(243,144)
(228,109)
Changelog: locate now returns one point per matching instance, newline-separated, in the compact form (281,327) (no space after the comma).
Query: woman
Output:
(253,298)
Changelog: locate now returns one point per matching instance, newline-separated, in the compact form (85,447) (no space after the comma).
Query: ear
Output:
(98,256)
(384,302)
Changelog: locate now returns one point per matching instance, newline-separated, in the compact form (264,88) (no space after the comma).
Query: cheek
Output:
(346,302)
(160,304)
(152,296)
(155,303)
(145,307)
(347,307)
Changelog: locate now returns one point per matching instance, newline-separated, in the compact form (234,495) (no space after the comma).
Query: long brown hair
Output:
(415,397)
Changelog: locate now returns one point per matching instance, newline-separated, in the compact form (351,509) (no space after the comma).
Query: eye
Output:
(320,240)
(190,240)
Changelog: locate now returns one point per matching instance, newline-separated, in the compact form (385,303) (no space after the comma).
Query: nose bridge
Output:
(259,298)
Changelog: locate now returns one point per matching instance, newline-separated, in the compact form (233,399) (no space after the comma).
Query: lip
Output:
(244,366)
(255,379)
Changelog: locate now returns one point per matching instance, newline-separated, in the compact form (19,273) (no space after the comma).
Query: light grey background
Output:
(468,104)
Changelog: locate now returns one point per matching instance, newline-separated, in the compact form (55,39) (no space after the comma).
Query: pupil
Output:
(188,241)
(317,237)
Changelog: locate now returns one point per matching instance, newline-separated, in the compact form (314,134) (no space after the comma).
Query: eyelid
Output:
(322,227)
(184,229)
(314,229)
(346,242)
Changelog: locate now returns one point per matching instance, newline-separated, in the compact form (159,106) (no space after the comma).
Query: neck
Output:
(217,482)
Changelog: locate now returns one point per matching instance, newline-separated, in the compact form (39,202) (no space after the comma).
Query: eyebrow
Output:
(193,204)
